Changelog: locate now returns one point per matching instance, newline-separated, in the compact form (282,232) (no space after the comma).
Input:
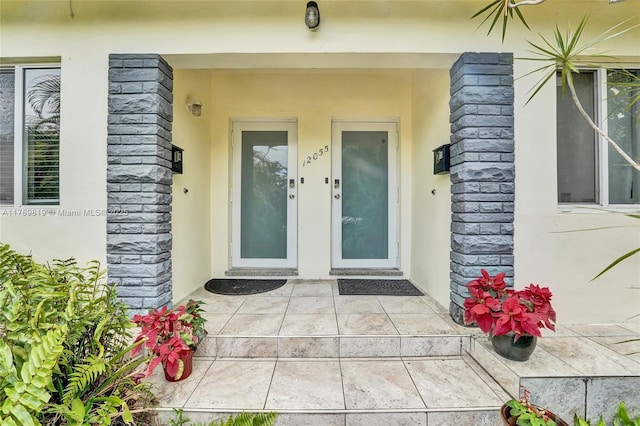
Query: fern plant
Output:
(64,347)
(241,419)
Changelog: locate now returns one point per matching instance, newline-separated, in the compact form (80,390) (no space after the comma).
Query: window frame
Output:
(601,165)
(20,152)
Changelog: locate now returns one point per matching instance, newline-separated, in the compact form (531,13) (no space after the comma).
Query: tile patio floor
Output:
(319,358)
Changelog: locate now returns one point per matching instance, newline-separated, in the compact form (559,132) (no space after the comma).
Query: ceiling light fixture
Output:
(312,15)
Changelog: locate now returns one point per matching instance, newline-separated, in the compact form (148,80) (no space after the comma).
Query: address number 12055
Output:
(315,155)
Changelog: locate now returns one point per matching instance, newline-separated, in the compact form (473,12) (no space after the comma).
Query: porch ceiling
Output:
(312,60)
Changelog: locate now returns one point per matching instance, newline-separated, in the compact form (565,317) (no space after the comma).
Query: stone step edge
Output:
(333,346)
(333,411)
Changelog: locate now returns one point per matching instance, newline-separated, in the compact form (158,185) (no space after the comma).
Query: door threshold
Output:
(256,272)
(382,272)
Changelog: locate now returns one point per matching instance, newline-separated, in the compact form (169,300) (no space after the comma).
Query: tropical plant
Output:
(622,418)
(499,310)
(170,334)
(566,54)
(64,342)
(241,419)
(524,413)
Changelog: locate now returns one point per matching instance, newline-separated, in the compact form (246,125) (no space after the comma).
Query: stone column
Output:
(482,170)
(139,179)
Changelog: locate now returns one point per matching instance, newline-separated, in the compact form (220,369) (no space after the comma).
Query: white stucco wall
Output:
(353,34)
(192,249)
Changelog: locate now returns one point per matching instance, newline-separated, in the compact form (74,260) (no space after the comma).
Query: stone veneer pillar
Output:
(482,170)
(139,179)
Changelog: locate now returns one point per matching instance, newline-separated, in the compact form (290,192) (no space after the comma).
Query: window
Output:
(589,169)
(29,135)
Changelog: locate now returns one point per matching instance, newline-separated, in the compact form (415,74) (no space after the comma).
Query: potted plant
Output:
(522,412)
(171,336)
(512,318)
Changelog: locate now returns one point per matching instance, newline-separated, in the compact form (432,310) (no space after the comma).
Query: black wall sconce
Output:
(176,159)
(441,161)
(312,16)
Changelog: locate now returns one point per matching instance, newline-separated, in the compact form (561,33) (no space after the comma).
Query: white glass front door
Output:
(264,198)
(365,195)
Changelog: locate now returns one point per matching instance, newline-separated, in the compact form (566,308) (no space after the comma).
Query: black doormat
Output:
(241,286)
(362,287)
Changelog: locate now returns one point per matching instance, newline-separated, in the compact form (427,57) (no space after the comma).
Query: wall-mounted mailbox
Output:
(176,159)
(441,162)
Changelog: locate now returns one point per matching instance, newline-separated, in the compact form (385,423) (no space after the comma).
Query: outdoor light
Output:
(194,107)
(312,15)
(615,1)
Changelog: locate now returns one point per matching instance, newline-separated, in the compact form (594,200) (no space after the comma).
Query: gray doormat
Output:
(242,286)
(361,287)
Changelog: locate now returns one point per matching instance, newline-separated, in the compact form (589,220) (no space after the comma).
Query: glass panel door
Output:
(264,195)
(364,195)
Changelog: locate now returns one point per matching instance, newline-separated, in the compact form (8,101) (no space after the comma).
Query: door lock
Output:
(337,196)
(336,183)
(292,196)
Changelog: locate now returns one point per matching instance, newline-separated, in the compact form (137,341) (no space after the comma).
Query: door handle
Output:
(336,183)
(292,183)
(337,196)
(292,196)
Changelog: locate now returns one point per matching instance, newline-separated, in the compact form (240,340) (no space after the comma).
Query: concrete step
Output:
(337,391)
(569,374)
(334,346)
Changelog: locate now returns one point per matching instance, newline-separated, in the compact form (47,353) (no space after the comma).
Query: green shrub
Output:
(64,347)
(241,419)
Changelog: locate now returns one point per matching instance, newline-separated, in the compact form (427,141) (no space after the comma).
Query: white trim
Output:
(391,127)
(602,160)
(237,126)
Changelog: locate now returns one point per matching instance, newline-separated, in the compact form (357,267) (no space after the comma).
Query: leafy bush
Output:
(241,419)
(621,418)
(64,347)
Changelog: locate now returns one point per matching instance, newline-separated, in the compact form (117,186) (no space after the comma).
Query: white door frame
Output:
(337,127)
(291,127)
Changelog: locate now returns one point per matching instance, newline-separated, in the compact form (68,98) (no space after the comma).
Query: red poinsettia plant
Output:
(499,310)
(169,334)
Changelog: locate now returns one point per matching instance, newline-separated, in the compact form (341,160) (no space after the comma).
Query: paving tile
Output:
(217,303)
(321,288)
(307,419)
(383,419)
(234,384)
(434,305)
(563,396)
(603,392)
(445,383)
(367,347)
(600,330)
(253,325)
(176,394)
(588,357)
(464,418)
(308,347)
(308,384)
(358,305)
(420,324)
(430,346)
(284,291)
(309,325)
(404,305)
(246,347)
(311,305)
(264,305)
(215,322)
(362,324)
(633,326)
(207,348)
(378,385)
(541,362)
(624,345)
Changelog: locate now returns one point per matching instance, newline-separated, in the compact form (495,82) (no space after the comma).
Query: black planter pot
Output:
(515,350)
